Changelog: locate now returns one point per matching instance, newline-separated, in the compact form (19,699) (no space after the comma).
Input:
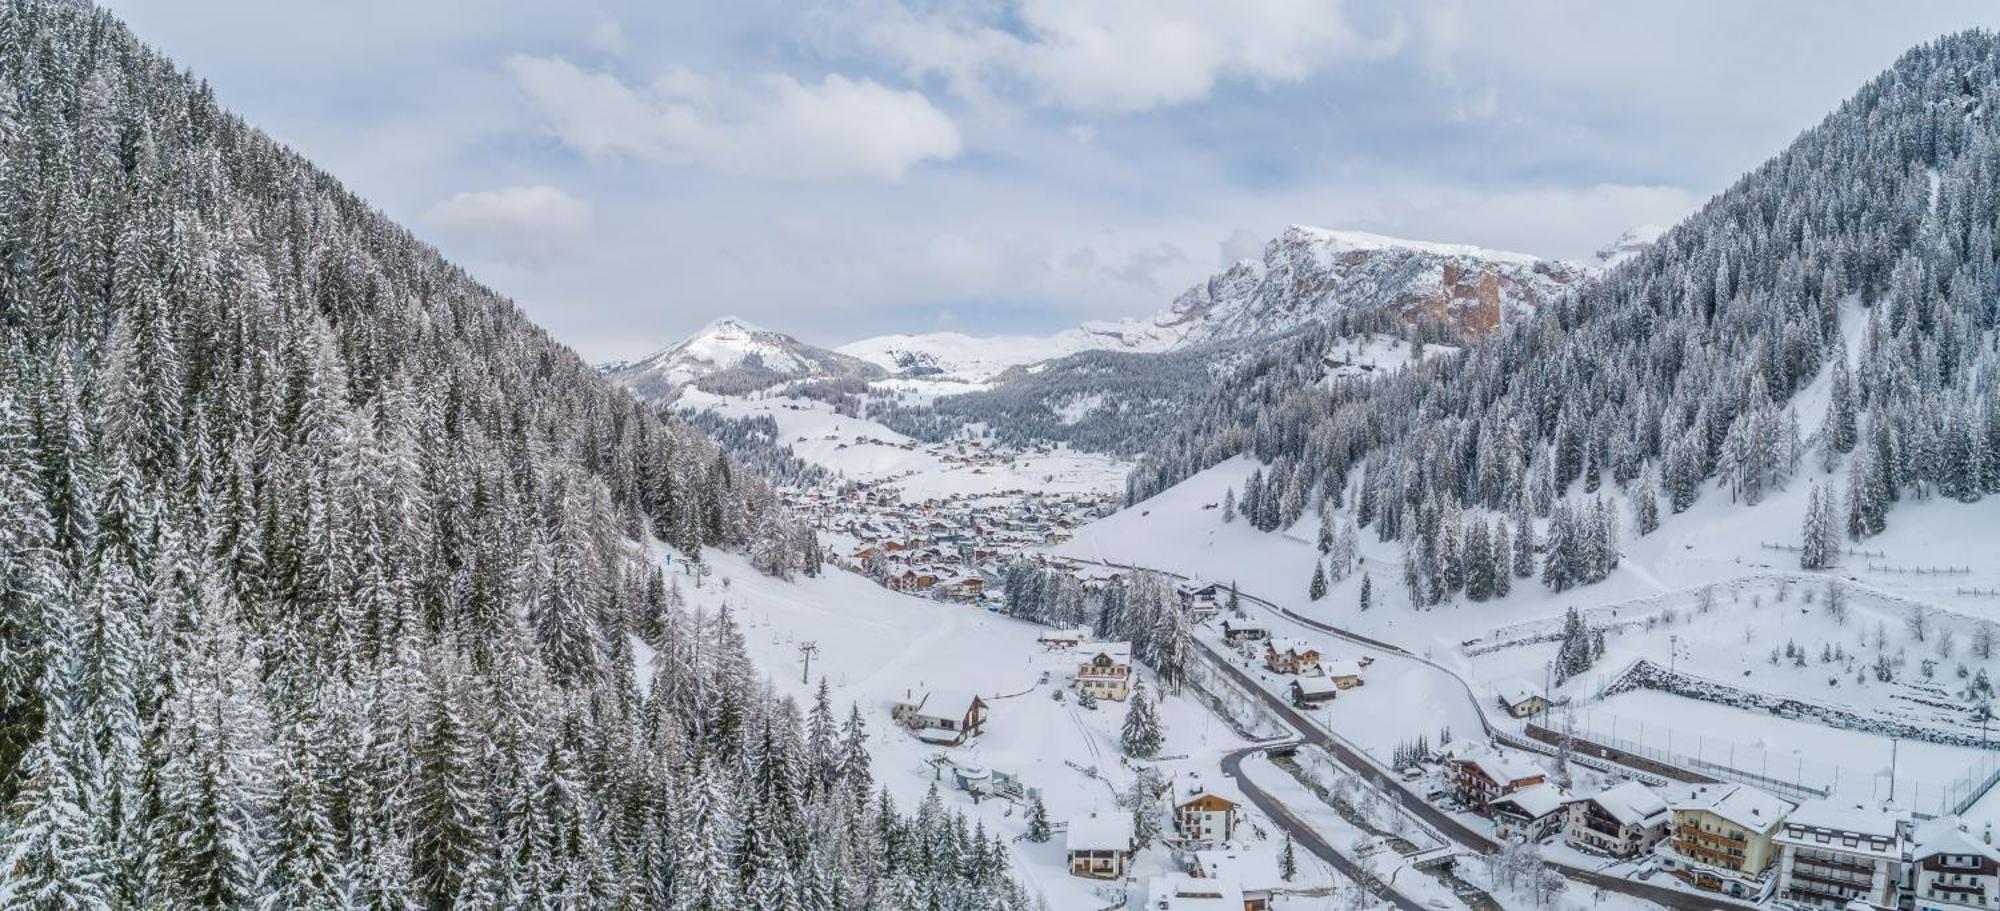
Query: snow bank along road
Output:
(1232,766)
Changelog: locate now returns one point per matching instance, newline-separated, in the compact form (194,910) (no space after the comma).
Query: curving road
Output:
(1409,799)
(1304,836)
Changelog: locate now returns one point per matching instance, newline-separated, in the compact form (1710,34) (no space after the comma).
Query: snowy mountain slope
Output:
(1305,275)
(731,355)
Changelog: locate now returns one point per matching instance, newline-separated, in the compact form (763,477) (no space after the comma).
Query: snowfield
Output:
(863,450)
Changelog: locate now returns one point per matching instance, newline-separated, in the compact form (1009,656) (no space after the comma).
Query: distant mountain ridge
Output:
(732,356)
(1305,275)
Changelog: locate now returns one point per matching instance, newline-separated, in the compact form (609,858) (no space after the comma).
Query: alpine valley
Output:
(1366,573)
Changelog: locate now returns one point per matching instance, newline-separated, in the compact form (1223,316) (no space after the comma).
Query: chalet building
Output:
(946,719)
(1236,632)
(1181,892)
(1721,838)
(1520,700)
(1831,855)
(1291,656)
(1255,871)
(1202,600)
(1528,814)
(1345,674)
(1624,820)
(1063,639)
(1099,844)
(1951,869)
(1206,819)
(1478,774)
(1308,692)
(1106,670)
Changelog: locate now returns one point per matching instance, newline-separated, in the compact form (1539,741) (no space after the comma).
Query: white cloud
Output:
(1126,55)
(777,127)
(1240,245)
(530,226)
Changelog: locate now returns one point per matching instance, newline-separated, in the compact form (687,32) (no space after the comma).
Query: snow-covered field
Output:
(875,647)
(864,450)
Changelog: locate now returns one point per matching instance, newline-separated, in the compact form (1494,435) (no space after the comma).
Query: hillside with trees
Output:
(1677,375)
(327,579)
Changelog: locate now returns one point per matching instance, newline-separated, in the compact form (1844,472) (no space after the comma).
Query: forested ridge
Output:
(322,582)
(1674,376)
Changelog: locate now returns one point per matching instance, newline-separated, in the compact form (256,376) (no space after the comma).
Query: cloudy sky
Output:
(630,169)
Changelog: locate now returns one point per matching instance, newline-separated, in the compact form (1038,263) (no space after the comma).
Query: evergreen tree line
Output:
(319,575)
(1140,607)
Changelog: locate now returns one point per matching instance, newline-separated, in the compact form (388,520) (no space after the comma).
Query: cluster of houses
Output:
(1218,872)
(1317,677)
(1740,841)
(945,547)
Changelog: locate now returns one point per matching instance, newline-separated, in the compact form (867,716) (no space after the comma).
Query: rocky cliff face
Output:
(1308,274)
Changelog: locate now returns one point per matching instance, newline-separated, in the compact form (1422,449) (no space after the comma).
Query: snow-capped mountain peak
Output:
(732,354)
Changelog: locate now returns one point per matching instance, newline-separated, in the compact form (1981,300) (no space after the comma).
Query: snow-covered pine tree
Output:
(1141,735)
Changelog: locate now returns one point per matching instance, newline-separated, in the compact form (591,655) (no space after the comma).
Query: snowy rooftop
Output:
(1315,686)
(1846,816)
(1515,691)
(1181,892)
(1631,803)
(1253,869)
(1339,667)
(1741,804)
(1121,650)
(1295,646)
(1108,830)
(1948,835)
(1493,765)
(1536,801)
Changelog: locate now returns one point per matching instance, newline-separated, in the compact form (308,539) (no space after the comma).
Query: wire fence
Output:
(1850,551)
(1920,570)
(1790,775)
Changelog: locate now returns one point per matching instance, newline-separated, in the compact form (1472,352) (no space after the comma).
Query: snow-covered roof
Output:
(1099,831)
(1536,800)
(1499,768)
(1253,869)
(1515,691)
(1120,650)
(1295,646)
(1839,816)
(1739,803)
(1315,686)
(1947,835)
(943,703)
(1630,803)
(1339,667)
(1181,892)
(1876,832)
(1203,794)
